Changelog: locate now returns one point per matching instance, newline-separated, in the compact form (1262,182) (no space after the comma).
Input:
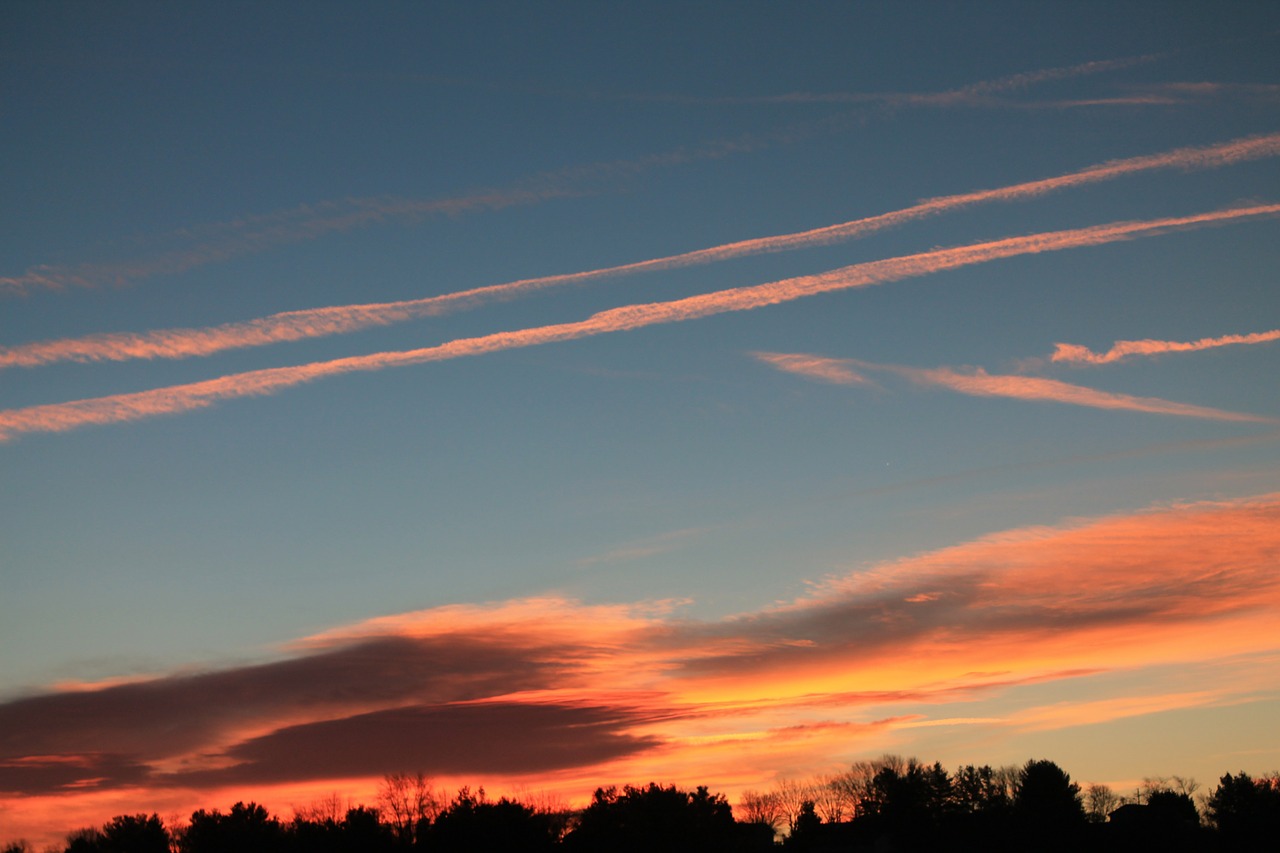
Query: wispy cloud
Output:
(547,686)
(320,322)
(1121,350)
(121,408)
(837,370)
(1069,714)
(650,546)
(1185,92)
(255,233)
(1016,82)
(976,382)
(198,246)
(974,94)
(979,383)
(975,604)
(1160,95)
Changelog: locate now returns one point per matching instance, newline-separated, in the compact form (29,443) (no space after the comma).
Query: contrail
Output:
(255,233)
(120,408)
(250,234)
(320,322)
(974,93)
(222,241)
(979,383)
(1120,350)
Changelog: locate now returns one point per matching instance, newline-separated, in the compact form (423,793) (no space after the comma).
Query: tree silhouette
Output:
(1246,810)
(247,828)
(829,800)
(1099,802)
(123,834)
(761,808)
(805,833)
(983,790)
(790,796)
(1046,793)
(135,834)
(1047,807)
(640,820)
(1173,808)
(406,800)
(87,840)
(363,832)
(472,822)
(895,804)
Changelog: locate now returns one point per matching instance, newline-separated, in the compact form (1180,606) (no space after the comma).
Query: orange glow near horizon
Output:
(736,702)
(539,408)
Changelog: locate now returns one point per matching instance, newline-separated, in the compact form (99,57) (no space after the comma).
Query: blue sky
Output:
(183,168)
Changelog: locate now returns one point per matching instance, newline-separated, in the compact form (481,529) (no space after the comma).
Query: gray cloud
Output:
(504,737)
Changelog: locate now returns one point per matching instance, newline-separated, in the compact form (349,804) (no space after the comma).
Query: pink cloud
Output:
(122,408)
(978,383)
(1120,350)
(835,370)
(320,322)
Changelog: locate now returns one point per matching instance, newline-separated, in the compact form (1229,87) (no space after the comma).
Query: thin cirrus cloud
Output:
(647,547)
(1189,92)
(835,370)
(974,94)
(1121,350)
(255,233)
(525,688)
(121,408)
(321,322)
(976,382)
(250,234)
(1064,714)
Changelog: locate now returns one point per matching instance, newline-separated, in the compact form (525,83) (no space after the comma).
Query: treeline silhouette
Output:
(882,806)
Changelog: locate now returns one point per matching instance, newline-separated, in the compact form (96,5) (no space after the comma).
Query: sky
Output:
(546,396)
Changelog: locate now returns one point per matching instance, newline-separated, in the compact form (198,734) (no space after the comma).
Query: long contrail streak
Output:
(321,322)
(249,234)
(975,93)
(979,383)
(223,241)
(181,398)
(1120,350)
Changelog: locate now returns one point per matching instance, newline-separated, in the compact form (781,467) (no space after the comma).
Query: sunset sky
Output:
(551,395)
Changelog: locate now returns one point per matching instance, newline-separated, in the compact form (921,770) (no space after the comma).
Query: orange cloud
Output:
(1120,350)
(122,408)
(979,383)
(333,320)
(559,694)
